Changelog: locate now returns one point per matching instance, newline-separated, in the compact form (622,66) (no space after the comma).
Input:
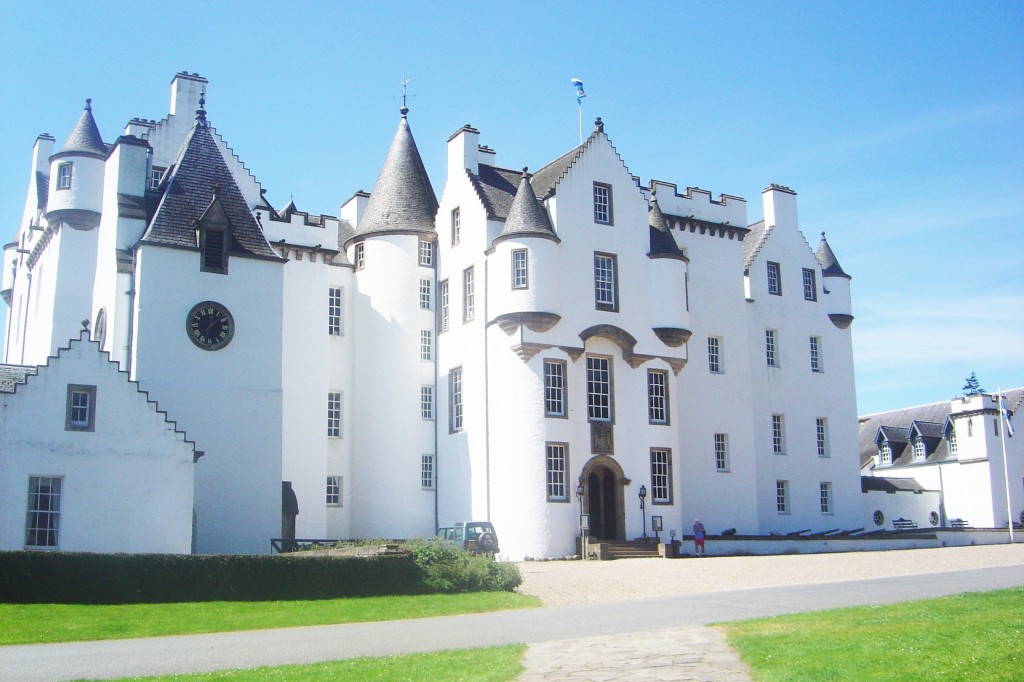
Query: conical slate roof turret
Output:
(827,260)
(526,216)
(402,200)
(662,243)
(85,137)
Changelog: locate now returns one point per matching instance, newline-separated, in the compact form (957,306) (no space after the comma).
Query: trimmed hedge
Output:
(81,578)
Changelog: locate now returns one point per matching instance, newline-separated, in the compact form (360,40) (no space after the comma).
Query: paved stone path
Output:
(687,653)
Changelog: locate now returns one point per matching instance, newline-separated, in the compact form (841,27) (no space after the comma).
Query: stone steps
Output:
(630,549)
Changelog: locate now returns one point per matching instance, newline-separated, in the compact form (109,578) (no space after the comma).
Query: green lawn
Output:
(494,664)
(37,623)
(974,636)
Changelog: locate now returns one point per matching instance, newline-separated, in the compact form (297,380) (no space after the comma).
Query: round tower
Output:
(76,176)
(524,264)
(836,284)
(668,273)
(392,251)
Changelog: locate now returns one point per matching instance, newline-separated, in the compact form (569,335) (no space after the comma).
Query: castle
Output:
(527,347)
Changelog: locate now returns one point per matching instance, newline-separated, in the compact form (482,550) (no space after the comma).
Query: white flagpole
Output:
(1001,420)
(579,100)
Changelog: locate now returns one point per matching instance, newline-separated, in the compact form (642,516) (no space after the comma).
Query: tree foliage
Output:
(972,387)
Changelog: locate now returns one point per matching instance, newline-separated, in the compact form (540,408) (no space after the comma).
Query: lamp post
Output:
(643,507)
(583,530)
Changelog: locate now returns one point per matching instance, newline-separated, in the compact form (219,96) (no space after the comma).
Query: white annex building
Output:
(953,463)
(417,360)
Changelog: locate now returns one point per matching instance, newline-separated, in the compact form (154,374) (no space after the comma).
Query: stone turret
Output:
(836,284)
(76,176)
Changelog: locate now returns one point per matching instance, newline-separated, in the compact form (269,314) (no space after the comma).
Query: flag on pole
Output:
(578,84)
(1006,416)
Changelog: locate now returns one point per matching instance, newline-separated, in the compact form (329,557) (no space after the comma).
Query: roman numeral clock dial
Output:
(210,326)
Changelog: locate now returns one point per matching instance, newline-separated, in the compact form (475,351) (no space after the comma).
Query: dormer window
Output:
(885,454)
(213,236)
(951,440)
(155,174)
(64,176)
(919,451)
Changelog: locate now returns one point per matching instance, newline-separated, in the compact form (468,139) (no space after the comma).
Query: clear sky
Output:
(900,125)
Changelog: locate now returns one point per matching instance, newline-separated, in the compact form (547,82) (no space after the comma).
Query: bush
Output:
(448,569)
(81,578)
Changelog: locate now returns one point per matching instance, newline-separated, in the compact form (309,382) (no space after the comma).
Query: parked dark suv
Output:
(476,537)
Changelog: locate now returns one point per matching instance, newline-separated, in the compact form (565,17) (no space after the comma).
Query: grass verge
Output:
(969,636)
(39,623)
(492,664)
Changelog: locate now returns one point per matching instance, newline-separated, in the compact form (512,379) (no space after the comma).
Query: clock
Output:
(209,325)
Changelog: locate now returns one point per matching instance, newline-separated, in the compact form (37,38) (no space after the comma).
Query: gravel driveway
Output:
(560,583)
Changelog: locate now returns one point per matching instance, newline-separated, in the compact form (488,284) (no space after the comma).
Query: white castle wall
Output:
(127,485)
(713,403)
(231,399)
(793,390)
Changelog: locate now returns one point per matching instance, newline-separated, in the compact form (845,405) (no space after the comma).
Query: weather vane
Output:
(405,94)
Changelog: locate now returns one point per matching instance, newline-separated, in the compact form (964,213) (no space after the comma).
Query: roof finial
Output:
(599,125)
(526,171)
(88,104)
(201,111)
(405,82)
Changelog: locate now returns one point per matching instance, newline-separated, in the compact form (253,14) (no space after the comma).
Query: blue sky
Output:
(900,125)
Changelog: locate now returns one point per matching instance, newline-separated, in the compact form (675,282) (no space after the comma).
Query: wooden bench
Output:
(903,524)
(959,523)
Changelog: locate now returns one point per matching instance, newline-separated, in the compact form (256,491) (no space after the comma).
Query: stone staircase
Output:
(626,549)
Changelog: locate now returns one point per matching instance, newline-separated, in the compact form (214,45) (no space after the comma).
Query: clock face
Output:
(210,325)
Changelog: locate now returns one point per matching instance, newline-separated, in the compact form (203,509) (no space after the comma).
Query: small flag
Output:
(1006,417)
(578,84)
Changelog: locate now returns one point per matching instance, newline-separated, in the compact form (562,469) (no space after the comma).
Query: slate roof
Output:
(830,267)
(929,419)
(42,189)
(527,217)
(11,375)
(662,243)
(188,190)
(895,427)
(546,178)
(402,200)
(889,485)
(497,189)
(85,138)
(752,243)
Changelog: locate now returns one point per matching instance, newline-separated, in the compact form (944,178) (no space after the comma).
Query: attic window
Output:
(213,236)
(885,453)
(155,174)
(919,453)
(214,251)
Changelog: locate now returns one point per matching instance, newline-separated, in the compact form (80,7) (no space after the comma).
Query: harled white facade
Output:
(419,361)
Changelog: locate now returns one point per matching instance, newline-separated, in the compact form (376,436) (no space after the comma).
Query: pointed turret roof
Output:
(526,217)
(85,138)
(402,200)
(198,177)
(827,260)
(662,243)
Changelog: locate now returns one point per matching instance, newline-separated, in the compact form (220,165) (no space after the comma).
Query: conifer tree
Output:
(972,387)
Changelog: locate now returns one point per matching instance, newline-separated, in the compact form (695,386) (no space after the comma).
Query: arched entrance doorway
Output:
(602,481)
